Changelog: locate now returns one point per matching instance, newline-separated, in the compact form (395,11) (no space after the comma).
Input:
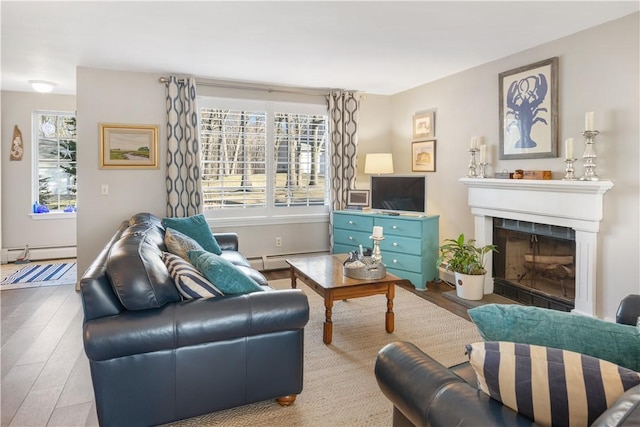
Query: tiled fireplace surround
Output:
(574,204)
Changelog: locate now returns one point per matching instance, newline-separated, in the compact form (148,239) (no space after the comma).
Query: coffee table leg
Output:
(328,324)
(390,317)
(293,278)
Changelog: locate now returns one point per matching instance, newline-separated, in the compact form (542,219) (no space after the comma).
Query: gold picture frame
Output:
(424,125)
(423,156)
(126,146)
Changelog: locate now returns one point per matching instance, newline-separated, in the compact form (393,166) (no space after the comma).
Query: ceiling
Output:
(376,47)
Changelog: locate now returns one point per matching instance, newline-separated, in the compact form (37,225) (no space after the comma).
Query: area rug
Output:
(487,299)
(340,388)
(36,275)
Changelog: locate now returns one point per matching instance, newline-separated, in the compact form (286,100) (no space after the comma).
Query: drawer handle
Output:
(351,222)
(395,227)
(350,238)
(395,261)
(394,244)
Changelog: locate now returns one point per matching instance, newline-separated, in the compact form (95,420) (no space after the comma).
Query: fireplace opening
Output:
(535,264)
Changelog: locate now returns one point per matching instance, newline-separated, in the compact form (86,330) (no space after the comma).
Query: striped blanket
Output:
(39,273)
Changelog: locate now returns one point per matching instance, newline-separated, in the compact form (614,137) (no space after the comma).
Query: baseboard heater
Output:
(277,262)
(35,254)
(446,275)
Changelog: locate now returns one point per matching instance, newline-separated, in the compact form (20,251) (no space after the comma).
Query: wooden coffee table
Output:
(323,274)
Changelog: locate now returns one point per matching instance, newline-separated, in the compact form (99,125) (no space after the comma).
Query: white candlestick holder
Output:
(472,163)
(569,170)
(590,156)
(482,169)
(377,255)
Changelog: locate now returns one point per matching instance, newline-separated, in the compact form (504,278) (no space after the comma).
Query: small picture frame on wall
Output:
(423,156)
(124,146)
(424,125)
(359,198)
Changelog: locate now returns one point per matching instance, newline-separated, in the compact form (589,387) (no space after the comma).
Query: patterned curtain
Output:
(184,194)
(343,116)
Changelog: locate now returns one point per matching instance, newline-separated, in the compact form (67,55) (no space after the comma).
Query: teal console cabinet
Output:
(410,245)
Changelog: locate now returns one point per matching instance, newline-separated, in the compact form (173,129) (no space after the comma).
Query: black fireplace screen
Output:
(535,264)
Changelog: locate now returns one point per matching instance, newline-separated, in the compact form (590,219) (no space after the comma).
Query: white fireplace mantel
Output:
(573,204)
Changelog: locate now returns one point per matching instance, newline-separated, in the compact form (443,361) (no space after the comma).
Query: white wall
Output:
(19,228)
(126,97)
(374,132)
(598,71)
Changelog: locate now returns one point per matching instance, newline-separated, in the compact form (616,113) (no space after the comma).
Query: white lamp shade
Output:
(378,163)
(42,86)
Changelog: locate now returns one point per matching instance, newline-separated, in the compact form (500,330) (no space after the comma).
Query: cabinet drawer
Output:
(404,245)
(354,222)
(352,238)
(402,261)
(399,227)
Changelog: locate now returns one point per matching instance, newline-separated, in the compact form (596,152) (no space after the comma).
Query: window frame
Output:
(269,214)
(35,161)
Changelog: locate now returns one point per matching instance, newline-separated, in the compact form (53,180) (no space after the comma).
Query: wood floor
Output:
(45,378)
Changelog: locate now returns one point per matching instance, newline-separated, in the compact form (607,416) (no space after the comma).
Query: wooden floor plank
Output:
(16,346)
(37,407)
(71,416)
(15,387)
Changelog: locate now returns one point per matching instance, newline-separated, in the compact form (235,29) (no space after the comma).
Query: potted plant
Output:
(466,260)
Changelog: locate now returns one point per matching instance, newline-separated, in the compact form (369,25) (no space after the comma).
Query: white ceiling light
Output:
(42,86)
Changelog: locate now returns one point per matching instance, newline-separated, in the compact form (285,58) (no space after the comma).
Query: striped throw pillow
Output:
(550,386)
(190,283)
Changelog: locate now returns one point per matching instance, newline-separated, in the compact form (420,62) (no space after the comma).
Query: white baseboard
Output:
(11,254)
(277,262)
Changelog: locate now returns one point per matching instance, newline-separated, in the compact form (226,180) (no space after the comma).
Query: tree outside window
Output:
(55,146)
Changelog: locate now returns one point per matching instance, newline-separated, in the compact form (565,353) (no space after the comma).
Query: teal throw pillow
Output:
(609,341)
(551,386)
(197,228)
(229,279)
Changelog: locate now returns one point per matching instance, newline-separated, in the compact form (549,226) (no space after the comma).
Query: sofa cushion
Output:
(624,412)
(224,275)
(197,228)
(549,385)
(137,274)
(551,328)
(178,243)
(190,283)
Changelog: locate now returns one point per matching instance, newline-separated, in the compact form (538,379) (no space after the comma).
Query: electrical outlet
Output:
(278,242)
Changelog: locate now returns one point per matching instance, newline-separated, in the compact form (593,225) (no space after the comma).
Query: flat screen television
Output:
(399,193)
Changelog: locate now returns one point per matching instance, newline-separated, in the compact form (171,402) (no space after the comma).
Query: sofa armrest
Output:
(227,241)
(427,393)
(195,322)
(629,310)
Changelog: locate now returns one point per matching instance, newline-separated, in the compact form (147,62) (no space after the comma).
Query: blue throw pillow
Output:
(610,341)
(197,228)
(190,283)
(229,279)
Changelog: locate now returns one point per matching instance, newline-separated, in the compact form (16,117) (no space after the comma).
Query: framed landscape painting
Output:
(529,111)
(124,146)
(423,156)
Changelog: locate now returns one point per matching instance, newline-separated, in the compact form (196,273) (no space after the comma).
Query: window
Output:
(263,158)
(54,160)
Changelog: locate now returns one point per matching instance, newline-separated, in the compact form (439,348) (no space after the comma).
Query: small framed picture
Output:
(128,146)
(424,125)
(423,156)
(358,198)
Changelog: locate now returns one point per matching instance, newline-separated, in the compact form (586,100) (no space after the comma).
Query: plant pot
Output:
(470,287)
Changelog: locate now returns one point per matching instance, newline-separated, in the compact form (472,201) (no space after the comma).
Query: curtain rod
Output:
(229,85)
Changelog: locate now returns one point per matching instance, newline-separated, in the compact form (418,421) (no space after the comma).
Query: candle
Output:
(588,121)
(483,153)
(474,143)
(377,231)
(568,148)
